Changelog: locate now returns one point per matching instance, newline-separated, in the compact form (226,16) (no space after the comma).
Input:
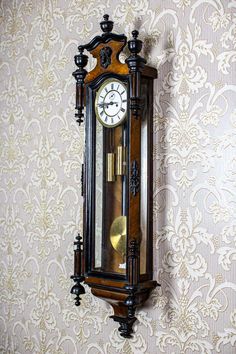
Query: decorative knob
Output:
(135,34)
(78,241)
(81,60)
(106,24)
(135,45)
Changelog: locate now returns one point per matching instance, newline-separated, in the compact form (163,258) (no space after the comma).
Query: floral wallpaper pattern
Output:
(192,43)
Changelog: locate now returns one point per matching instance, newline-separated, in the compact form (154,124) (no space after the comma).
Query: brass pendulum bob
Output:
(118,235)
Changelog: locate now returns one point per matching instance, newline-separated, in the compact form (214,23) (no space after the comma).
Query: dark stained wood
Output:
(78,275)
(81,61)
(149,71)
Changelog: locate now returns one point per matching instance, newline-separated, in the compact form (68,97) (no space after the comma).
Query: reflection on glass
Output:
(143,195)
(110,206)
(98,195)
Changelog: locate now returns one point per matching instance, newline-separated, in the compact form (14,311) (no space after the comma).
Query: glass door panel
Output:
(110,199)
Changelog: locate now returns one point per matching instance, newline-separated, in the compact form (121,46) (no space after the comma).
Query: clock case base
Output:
(123,299)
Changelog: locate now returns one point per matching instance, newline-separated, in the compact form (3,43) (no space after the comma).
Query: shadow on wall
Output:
(161,181)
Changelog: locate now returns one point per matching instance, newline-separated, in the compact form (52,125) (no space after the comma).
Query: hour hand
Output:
(106,104)
(112,102)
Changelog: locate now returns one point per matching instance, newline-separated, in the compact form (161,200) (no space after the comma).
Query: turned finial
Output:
(106,24)
(135,44)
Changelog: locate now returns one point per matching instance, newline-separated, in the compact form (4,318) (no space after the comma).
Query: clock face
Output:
(111,103)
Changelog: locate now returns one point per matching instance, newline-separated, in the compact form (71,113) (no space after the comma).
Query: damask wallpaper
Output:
(193,46)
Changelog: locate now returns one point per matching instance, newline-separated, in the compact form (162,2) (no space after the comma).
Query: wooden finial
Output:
(106,24)
(81,61)
(135,44)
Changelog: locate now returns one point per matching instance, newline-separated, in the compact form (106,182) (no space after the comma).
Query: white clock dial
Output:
(111,103)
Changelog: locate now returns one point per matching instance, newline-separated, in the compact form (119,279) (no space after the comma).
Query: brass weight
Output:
(110,167)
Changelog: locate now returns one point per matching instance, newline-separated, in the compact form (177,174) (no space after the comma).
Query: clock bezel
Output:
(105,82)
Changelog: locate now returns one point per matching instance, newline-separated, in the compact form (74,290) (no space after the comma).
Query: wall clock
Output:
(114,256)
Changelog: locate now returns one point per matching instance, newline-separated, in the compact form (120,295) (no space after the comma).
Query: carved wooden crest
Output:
(105,56)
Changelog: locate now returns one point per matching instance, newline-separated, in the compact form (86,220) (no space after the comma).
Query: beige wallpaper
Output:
(193,45)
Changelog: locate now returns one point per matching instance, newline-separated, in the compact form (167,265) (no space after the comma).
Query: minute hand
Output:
(107,104)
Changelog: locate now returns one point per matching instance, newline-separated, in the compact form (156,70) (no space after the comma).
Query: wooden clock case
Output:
(124,292)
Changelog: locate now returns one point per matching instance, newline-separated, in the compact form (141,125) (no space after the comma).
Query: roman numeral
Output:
(101,113)
(106,89)
(122,92)
(112,121)
(122,109)
(112,86)
(118,87)
(124,101)
(106,119)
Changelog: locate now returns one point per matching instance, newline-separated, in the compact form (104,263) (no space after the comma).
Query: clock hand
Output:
(102,105)
(111,103)
(107,104)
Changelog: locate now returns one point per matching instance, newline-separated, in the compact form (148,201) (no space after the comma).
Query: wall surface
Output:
(193,46)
